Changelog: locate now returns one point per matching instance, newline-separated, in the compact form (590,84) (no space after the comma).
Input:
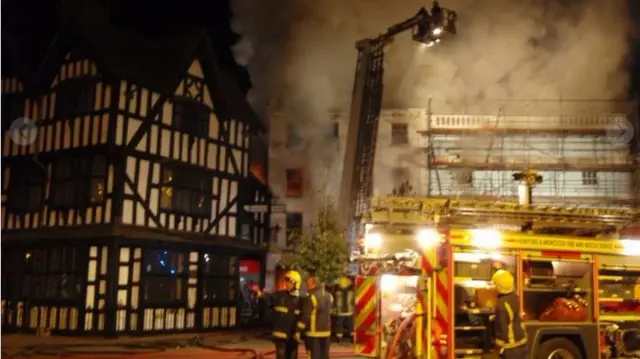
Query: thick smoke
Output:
(304,55)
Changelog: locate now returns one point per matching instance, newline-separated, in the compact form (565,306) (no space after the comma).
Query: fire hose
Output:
(147,349)
(333,355)
(153,348)
(401,329)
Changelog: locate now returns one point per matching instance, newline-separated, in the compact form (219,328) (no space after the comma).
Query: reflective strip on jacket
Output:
(288,316)
(319,314)
(344,303)
(510,330)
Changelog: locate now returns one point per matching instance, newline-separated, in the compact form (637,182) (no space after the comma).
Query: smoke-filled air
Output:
(301,54)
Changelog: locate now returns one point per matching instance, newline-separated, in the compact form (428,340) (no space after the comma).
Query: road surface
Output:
(236,345)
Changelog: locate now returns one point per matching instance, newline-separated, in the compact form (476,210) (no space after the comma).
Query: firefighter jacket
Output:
(289,318)
(343,302)
(319,325)
(509,328)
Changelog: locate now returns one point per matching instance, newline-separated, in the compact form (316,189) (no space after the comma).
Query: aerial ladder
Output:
(428,28)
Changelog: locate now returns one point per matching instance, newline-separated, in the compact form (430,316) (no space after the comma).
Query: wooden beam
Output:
(221,214)
(145,204)
(155,110)
(229,151)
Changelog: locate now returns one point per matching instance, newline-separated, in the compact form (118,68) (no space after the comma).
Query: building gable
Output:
(195,69)
(188,133)
(75,64)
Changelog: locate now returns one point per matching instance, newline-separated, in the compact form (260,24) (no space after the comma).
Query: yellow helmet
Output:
(503,280)
(294,277)
(344,282)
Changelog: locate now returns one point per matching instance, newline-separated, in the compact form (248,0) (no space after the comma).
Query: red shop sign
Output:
(248,266)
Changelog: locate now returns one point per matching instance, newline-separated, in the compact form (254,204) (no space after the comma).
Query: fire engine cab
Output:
(424,287)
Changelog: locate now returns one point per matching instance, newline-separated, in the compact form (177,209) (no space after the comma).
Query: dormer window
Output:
(191,117)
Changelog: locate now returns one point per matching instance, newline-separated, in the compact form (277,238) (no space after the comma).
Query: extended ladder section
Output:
(367,136)
(474,213)
(357,174)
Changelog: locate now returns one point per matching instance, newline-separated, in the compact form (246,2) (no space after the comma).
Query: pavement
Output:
(222,345)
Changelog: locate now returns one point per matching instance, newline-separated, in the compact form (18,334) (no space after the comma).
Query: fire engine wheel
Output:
(559,348)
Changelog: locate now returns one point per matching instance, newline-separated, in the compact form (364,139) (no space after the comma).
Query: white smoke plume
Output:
(304,53)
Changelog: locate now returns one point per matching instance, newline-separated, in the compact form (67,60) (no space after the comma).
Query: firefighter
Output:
(318,334)
(510,334)
(289,316)
(343,308)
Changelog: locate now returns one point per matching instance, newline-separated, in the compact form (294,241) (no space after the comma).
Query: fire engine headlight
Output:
(428,238)
(486,238)
(373,241)
(631,247)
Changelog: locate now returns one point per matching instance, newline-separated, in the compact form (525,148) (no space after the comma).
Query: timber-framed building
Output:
(125,214)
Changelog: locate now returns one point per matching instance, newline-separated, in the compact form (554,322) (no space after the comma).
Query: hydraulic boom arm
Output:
(357,176)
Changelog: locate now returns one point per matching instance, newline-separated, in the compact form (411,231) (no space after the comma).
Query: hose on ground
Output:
(253,352)
(269,353)
(136,348)
(396,338)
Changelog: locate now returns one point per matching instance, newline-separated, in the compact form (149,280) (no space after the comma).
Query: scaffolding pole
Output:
(564,140)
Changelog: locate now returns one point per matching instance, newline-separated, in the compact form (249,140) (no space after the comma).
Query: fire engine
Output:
(423,286)
(423,289)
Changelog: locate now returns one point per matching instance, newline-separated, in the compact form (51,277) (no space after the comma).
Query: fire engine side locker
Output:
(617,270)
(585,334)
(463,353)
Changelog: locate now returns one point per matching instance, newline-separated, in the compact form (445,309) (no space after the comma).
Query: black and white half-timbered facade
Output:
(125,213)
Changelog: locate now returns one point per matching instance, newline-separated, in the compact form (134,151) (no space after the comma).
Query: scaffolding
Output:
(586,151)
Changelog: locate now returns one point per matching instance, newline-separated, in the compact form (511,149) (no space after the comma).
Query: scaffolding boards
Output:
(474,213)
(587,151)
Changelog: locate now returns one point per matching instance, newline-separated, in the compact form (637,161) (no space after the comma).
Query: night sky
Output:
(36,22)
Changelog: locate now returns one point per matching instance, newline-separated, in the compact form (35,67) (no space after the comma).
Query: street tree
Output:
(323,250)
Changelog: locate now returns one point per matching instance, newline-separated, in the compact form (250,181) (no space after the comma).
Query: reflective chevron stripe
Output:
(366,343)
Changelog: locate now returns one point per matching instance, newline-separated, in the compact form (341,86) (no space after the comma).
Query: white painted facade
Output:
(586,164)
(578,167)
(320,163)
(580,159)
